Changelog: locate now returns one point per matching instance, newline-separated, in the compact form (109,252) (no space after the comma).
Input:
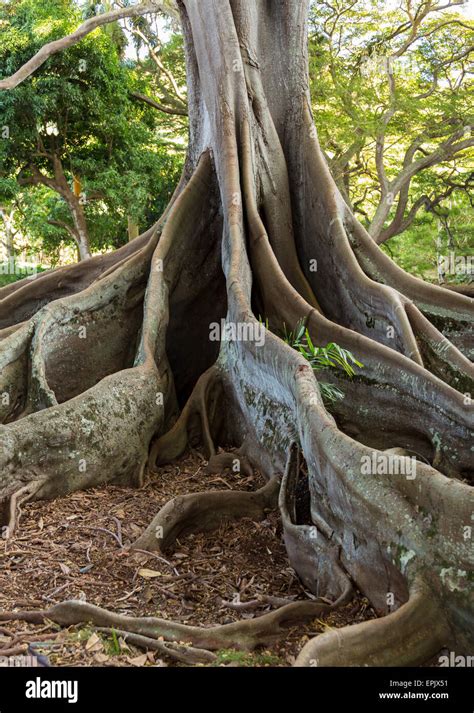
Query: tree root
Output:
(202,512)
(262,601)
(17,499)
(177,652)
(234,461)
(450,310)
(244,635)
(409,636)
(64,442)
(440,355)
(285,307)
(201,402)
(20,300)
(14,348)
(95,333)
(310,550)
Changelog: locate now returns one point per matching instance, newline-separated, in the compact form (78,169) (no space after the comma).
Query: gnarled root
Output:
(17,499)
(310,550)
(202,404)
(246,635)
(235,461)
(409,636)
(62,441)
(177,652)
(201,512)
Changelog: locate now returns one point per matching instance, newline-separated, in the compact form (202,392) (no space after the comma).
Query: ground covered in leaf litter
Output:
(77,547)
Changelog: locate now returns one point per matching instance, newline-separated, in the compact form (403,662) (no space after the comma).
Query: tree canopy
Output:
(75,135)
(392,88)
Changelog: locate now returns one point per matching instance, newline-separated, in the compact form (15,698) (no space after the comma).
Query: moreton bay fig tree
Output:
(108,367)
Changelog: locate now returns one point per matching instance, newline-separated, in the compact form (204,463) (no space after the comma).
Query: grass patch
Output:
(245,658)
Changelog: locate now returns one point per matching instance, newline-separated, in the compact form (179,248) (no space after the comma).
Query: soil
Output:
(77,547)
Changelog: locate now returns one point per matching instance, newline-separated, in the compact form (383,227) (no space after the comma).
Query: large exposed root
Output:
(450,311)
(310,549)
(202,401)
(408,637)
(246,635)
(201,512)
(178,652)
(431,404)
(20,300)
(14,371)
(81,339)
(62,444)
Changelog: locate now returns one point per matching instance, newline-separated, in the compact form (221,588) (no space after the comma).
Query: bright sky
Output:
(466,9)
(469,9)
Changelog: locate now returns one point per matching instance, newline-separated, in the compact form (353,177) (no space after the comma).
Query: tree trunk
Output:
(75,200)
(257,227)
(378,221)
(132,227)
(7,216)
(81,232)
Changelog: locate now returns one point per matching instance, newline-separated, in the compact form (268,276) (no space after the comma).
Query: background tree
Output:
(8,214)
(161,64)
(392,89)
(76,131)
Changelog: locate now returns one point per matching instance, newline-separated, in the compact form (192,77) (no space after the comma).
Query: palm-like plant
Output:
(331,356)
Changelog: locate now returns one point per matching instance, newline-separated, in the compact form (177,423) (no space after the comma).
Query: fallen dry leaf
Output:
(94,643)
(101,658)
(138,660)
(149,573)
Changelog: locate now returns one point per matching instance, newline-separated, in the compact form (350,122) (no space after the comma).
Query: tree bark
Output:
(75,205)
(7,217)
(132,227)
(258,227)
(81,232)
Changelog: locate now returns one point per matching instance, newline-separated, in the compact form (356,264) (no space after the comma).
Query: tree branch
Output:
(156,105)
(87,27)
(384,122)
(62,224)
(445,151)
(401,221)
(160,64)
(36,178)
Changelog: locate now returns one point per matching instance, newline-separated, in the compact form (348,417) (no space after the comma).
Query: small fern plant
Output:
(331,356)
